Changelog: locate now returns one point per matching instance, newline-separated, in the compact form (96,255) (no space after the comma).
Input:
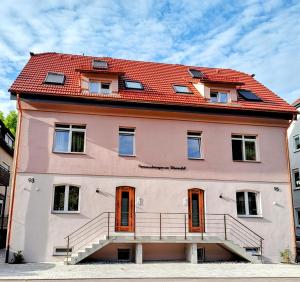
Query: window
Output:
(98,64)
(200,254)
(244,147)
(219,97)
(194,145)
(297,143)
(248,95)
(126,141)
(66,198)
(6,166)
(62,251)
(196,73)
(97,87)
(182,89)
(9,140)
(296,179)
(297,215)
(134,85)
(1,207)
(124,254)
(69,138)
(55,78)
(247,203)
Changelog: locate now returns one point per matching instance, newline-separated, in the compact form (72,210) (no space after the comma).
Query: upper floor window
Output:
(182,89)
(296,142)
(296,179)
(297,212)
(247,203)
(1,207)
(66,198)
(98,87)
(9,141)
(99,64)
(219,97)
(55,78)
(126,141)
(194,145)
(133,85)
(243,147)
(6,166)
(69,138)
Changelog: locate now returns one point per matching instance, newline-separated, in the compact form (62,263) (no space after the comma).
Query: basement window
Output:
(61,251)
(200,254)
(133,85)
(55,78)
(99,64)
(123,254)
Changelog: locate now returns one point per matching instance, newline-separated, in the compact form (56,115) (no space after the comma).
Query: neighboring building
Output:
(6,160)
(294,149)
(124,160)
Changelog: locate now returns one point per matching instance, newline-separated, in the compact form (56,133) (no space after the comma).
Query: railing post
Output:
(160,237)
(225,229)
(68,247)
(108,217)
(185,226)
(261,250)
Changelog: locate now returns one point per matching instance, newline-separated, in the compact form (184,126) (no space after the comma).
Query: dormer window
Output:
(133,85)
(55,78)
(98,87)
(182,89)
(219,97)
(98,64)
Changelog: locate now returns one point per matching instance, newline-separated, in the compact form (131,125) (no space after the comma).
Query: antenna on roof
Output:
(82,54)
(253,74)
(31,54)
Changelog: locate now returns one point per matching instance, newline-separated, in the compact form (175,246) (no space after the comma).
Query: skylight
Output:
(248,95)
(182,89)
(133,85)
(98,64)
(55,78)
(196,73)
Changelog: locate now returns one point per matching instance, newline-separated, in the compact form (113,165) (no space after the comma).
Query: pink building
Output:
(122,160)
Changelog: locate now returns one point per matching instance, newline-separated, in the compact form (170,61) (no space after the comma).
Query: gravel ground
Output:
(148,270)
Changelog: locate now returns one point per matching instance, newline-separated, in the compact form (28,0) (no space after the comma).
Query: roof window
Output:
(248,95)
(182,89)
(133,85)
(55,78)
(98,64)
(196,73)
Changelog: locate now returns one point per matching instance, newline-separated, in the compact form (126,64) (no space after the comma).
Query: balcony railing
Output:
(165,225)
(4,176)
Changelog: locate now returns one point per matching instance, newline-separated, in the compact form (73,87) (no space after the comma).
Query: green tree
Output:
(11,120)
(1,116)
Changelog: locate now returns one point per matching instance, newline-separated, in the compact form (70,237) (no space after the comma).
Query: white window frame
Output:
(194,135)
(258,203)
(70,129)
(219,92)
(244,139)
(109,92)
(9,140)
(293,178)
(294,142)
(66,201)
(123,130)
(297,217)
(1,207)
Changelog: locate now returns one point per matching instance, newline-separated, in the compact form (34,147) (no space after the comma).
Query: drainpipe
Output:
(293,231)
(13,187)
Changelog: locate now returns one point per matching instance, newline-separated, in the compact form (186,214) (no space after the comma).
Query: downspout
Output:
(13,187)
(293,231)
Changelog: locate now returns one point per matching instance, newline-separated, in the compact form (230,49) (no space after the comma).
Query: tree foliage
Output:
(10,120)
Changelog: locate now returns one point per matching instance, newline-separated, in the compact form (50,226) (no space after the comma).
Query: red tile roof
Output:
(157,79)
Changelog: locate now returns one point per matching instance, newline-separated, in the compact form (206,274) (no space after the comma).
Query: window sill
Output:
(296,151)
(131,156)
(249,216)
(196,159)
(297,189)
(65,212)
(240,161)
(72,153)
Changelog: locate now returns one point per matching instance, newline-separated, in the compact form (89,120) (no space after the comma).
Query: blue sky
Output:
(261,37)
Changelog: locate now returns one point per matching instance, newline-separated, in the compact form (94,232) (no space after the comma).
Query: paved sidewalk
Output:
(163,271)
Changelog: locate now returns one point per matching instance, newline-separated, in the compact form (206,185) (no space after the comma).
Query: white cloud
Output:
(254,36)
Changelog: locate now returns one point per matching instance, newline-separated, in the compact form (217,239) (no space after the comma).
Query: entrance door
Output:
(125,209)
(196,210)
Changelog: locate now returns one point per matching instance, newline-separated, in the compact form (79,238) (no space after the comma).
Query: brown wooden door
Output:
(125,209)
(196,210)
